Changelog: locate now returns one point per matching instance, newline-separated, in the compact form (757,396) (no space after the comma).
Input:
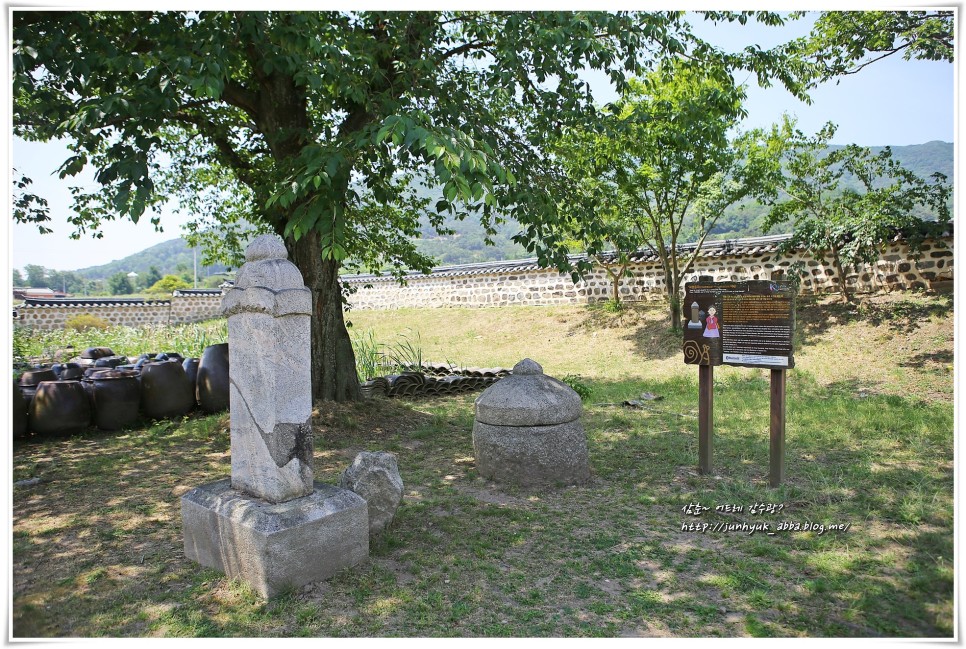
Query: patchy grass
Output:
(97,545)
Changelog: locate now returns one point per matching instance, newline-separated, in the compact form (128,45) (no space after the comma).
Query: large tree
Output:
(848,202)
(314,124)
(661,171)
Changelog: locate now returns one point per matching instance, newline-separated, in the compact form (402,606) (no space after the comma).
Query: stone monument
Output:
(527,430)
(271,525)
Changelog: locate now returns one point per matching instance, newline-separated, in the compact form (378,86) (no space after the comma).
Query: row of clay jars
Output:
(162,390)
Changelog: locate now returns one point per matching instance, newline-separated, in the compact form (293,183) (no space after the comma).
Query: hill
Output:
(167,257)
(745,219)
(466,245)
(741,220)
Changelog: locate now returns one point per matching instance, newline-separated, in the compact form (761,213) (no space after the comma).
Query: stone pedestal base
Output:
(532,456)
(275,546)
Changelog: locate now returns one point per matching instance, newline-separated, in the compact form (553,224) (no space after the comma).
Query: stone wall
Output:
(178,309)
(525,283)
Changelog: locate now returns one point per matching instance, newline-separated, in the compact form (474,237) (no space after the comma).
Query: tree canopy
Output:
(661,171)
(849,225)
(318,125)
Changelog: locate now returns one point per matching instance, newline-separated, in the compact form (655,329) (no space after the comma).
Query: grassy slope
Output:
(97,546)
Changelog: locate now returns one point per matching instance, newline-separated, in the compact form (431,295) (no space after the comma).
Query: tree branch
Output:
(462,49)
(243,168)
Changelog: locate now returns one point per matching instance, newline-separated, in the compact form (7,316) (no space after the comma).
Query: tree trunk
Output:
(846,296)
(671,286)
(333,361)
(675,305)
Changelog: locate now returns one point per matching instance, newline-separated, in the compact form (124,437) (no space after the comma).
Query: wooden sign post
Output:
(748,324)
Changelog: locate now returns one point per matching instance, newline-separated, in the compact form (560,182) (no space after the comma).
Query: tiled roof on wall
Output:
(198,292)
(89,302)
(722,248)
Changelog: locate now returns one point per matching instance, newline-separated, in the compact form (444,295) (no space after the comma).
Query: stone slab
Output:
(532,456)
(274,547)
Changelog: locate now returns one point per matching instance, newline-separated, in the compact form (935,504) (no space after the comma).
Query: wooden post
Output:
(705,407)
(777,446)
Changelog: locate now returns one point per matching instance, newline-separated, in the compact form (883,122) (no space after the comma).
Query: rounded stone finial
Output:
(527,367)
(266,246)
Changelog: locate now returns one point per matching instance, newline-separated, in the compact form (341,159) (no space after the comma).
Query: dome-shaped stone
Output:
(266,246)
(268,266)
(528,397)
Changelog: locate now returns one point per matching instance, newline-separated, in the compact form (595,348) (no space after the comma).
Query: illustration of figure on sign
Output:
(711,324)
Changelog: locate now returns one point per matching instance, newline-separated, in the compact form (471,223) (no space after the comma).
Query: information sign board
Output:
(739,323)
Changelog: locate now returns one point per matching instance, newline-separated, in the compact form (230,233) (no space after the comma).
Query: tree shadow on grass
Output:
(848,460)
(944,357)
(815,317)
(102,541)
(645,325)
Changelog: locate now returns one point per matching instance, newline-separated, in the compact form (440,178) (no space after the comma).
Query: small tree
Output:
(151,277)
(17,278)
(848,202)
(119,284)
(36,276)
(167,285)
(660,172)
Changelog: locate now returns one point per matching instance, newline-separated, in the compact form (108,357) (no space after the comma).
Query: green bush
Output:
(85,321)
(167,285)
(578,386)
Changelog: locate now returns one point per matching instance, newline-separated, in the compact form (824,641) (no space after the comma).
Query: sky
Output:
(892,102)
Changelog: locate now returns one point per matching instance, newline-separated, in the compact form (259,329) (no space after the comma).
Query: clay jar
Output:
(165,390)
(190,366)
(115,396)
(30,379)
(59,408)
(213,390)
(93,353)
(110,361)
(19,405)
(70,372)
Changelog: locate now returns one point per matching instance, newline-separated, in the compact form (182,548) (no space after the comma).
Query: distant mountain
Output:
(467,245)
(745,219)
(742,220)
(166,257)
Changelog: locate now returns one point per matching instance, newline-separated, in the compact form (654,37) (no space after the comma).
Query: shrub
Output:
(578,386)
(85,321)
(613,306)
(167,285)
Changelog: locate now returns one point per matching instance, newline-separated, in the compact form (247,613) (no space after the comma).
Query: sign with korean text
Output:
(739,323)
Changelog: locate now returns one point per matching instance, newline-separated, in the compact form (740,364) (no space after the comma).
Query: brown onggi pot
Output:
(59,408)
(213,384)
(96,352)
(30,379)
(190,366)
(115,396)
(19,405)
(165,390)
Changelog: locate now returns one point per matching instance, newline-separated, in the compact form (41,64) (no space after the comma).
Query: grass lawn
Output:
(97,544)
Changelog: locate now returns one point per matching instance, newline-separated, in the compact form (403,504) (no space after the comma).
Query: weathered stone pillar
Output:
(270,524)
(269,318)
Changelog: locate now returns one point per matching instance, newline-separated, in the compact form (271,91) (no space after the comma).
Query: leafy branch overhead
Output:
(845,42)
(464,97)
